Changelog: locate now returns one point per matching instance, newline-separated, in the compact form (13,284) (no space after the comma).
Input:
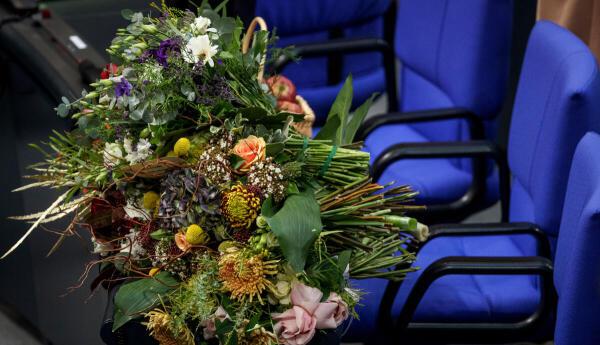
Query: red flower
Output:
(109,70)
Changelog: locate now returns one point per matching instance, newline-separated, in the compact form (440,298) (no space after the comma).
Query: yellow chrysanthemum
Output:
(195,235)
(150,200)
(182,147)
(160,325)
(255,336)
(240,206)
(245,278)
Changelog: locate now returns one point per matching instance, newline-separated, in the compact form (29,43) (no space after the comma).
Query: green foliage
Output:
(340,127)
(139,296)
(196,298)
(297,225)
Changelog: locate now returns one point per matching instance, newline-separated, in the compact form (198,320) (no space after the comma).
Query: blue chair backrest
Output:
(307,21)
(454,53)
(577,264)
(557,102)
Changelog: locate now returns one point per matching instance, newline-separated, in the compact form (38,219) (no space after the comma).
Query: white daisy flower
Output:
(199,49)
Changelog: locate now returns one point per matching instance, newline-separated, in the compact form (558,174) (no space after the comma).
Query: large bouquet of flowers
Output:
(218,218)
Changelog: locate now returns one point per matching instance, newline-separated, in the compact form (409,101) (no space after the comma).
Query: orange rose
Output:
(251,150)
(181,242)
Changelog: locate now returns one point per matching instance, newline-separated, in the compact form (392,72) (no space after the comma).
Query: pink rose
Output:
(341,313)
(297,326)
(210,328)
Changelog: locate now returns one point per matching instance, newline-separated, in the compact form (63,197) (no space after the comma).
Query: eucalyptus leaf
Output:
(127,14)
(139,296)
(62,110)
(297,225)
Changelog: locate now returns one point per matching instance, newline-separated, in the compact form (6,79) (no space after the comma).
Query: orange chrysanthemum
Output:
(245,277)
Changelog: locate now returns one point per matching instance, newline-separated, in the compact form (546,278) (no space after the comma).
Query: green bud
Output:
(101,176)
(261,222)
(114,47)
(128,38)
(149,28)
(140,45)
(105,82)
(145,133)
(91,95)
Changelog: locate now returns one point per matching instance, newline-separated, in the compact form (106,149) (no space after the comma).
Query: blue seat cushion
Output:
(436,180)
(457,298)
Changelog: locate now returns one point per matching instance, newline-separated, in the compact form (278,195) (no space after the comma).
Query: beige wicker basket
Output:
(304,127)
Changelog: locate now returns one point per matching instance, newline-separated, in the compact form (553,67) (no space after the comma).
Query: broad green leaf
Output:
(297,225)
(139,296)
(357,118)
(341,108)
(330,129)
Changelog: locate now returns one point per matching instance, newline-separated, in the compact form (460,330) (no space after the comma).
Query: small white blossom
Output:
(141,152)
(102,248)
(200,49)
(112,154)
(134,211)
(201,26)
(131,246)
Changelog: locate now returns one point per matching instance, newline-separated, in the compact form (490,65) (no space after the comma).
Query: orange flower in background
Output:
(251,150)
(181,242)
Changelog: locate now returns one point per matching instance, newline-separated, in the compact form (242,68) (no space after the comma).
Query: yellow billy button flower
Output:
(150,200)
(182,147)
(153,271)
(195,235)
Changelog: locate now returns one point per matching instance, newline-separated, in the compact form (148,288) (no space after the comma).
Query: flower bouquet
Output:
(205,202)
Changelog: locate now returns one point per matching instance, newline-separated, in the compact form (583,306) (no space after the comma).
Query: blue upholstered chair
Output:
(319,79)
(465,279)
(455,63)
(577,263)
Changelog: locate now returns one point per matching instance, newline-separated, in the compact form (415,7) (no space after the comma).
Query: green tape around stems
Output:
(327,163)
(305,144)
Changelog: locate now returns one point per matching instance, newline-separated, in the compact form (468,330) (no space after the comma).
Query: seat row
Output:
(536,275)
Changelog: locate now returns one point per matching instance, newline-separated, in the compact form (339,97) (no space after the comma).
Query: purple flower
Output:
(166,46)
(160,54)
(123,88)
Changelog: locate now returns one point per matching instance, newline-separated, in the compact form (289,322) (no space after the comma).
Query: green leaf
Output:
(297,225)
(62,110)
(160,234)
(340,108)
(357,118)
(330,129)
(139,296)
(273,149)
(236,161)
(127,14)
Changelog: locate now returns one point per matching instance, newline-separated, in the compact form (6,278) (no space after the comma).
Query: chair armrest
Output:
(471,149)
(476,129)
(532,265)
(487,229)
(334,46)
(346,46)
